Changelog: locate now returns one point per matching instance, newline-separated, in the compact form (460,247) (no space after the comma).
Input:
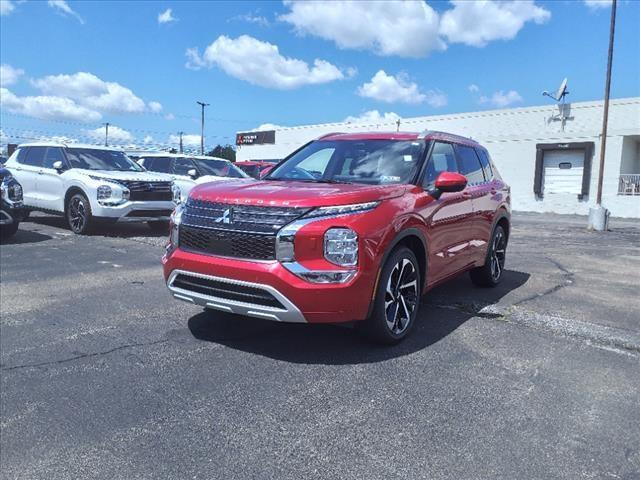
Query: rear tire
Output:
(397,299)
(159,226)
(78,213)
(490,274)
(9,230)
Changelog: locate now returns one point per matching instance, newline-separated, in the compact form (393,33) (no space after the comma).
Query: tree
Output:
(228,152)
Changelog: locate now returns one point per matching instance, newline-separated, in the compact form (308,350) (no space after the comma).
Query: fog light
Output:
(341,246)
(327,277)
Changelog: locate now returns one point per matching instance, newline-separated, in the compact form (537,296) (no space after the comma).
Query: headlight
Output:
(341,246)
(174,234)
(104,192)
(15,192)
(342,209)
(176,193)
(126,194)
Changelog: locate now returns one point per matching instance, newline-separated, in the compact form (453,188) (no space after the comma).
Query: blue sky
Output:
(70,66)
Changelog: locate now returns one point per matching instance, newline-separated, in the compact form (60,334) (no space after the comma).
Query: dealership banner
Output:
(256,138)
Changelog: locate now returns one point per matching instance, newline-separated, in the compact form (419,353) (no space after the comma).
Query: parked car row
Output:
(91,184)
(350,227)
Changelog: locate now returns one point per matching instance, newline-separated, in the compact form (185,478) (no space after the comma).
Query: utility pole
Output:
(202,104)
(180,133)
(599,216)
(106,134)
(398,124)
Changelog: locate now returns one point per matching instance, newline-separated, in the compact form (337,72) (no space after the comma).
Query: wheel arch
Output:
(71,191)
(504,220)
(413,239)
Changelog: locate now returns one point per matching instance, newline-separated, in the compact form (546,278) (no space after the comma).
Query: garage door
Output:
(563,171)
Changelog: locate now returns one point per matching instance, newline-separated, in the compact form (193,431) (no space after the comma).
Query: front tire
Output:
(9,230)
(397,298)
(78,213)
(490,274)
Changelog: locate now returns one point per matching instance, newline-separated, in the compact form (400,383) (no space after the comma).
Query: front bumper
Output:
(11,213)
(135,211)
(299,300)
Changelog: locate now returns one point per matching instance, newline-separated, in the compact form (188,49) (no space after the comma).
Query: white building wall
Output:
(511,136)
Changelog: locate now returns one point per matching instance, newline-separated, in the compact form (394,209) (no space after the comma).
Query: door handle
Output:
(493,191)
(466,194)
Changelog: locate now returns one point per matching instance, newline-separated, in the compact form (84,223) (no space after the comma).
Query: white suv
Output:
(87,183)
(187,171)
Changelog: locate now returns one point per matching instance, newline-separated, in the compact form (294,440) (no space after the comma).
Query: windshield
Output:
(219,168)
(94,159)
(374,162)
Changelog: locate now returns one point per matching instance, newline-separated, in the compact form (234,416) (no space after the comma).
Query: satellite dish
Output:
(560,93)
(562,90)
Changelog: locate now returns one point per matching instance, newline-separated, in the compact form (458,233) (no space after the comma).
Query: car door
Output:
(448,217)
(27,169)
(479,190)
(181,177)
(50,183)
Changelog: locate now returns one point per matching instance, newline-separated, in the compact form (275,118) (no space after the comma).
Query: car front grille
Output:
(148,191)
(236,231)
(227,291)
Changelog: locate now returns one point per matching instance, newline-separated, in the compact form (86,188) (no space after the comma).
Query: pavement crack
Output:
(568,278)
(84,355)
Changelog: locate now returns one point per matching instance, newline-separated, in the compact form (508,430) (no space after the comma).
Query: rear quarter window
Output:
(485,162)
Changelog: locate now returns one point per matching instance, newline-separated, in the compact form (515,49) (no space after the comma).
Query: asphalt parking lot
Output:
(104,375)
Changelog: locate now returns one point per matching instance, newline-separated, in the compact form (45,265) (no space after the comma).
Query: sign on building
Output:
(256,138)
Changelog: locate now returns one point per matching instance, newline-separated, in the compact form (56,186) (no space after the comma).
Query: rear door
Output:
(479,190)
(448,219)
(26,171)
(50,183)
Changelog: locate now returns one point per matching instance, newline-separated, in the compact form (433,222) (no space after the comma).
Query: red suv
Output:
(350,227)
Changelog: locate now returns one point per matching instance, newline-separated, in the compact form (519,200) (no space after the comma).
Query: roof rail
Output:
(328,135)
(424,134)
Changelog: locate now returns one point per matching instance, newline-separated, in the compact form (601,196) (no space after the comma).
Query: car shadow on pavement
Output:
(440,314)
(121,230)
(25,236)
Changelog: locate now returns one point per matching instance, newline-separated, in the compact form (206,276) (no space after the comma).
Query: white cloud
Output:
(148,139)
(117,135)
(480,22)
(373,116)
(169,116)
(399,89)
(252,18)
(9,75)
(473,88)
(406,29)
(155,107)
(63,7)
(501,99)
(188,140)
(267,126)
(6,7)
(92,92)
(166,17)
(597,4)
(261,63)
(47,107)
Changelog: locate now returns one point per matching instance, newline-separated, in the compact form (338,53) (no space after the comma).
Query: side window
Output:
(158,164)
(54,154)
(470,165)
(21,155)
(486,164)
(442,159)
(35,156)
(182,165)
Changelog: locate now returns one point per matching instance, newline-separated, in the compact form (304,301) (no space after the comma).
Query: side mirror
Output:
(193,173)
(58,166)
(451,182)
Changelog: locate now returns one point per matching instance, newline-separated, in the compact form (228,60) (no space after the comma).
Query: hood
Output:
(132,176)
(209,178)
(293,194)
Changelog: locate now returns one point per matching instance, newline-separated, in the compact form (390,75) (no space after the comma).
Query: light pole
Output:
(106,134)
(202,104)
(599,216)
(180,133)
